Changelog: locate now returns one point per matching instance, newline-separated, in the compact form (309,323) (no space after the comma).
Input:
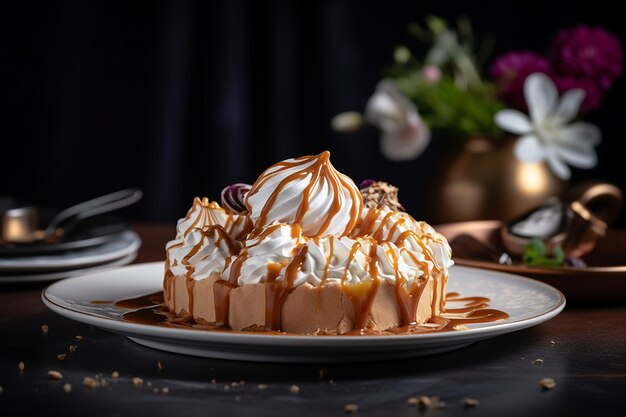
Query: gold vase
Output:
(483,180)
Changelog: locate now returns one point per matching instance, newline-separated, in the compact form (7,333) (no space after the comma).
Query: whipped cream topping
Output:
(351,261)
(403,248)
(307,191)
(204,213)
(333,259)
(386,225)
(343,260)
(201,252)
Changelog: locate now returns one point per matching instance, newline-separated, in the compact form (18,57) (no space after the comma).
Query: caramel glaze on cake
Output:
(332,267)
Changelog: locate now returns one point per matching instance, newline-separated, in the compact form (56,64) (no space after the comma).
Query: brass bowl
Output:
(603,281)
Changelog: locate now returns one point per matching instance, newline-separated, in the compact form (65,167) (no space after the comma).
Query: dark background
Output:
(183,98)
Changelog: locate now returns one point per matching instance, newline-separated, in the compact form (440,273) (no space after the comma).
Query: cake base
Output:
(328,309)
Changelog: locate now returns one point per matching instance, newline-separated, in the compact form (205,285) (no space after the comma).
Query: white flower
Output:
(549,134)
(405,135)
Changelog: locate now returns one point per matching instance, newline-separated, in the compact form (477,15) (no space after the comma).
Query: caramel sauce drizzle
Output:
(433,303)
(221,296)
(273,270)
(194,250)
(260,234)
(378,233)
(474,310)
(329,258)
(408,298)
(471,303)
(276,292)
(222,289)
(190,284)
(364,293)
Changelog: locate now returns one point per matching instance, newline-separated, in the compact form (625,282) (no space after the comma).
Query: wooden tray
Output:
(602,282)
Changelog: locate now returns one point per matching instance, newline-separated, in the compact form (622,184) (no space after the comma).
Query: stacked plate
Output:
(68,259)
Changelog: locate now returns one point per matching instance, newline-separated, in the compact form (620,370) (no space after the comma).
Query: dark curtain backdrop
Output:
(183,98)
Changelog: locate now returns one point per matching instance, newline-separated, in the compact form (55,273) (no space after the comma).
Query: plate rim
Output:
(195,336)
(76,262)
(75,272)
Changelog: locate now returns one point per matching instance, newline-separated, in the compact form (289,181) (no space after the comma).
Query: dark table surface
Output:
(583,350)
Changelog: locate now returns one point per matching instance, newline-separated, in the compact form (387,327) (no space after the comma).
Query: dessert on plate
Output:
(304,250)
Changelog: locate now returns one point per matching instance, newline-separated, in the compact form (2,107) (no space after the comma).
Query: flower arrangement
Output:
(446,93)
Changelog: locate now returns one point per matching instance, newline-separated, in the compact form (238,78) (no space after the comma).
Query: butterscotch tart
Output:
(304,250)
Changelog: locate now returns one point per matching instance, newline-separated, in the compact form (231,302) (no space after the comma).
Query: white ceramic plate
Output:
(528,302)
(56,275)
(125,244)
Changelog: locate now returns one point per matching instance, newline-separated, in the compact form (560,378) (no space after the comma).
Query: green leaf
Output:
(535,250)
(558,254)
(535,254)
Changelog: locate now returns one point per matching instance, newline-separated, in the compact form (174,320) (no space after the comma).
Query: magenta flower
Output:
(509,71)
(587,52)
(593,93)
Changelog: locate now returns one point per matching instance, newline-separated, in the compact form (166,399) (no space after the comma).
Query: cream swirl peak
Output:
(204,213)
(308,191)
